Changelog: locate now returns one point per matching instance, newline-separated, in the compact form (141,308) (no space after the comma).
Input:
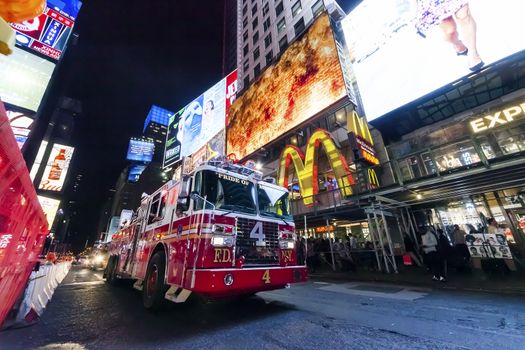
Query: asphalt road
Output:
(85,313)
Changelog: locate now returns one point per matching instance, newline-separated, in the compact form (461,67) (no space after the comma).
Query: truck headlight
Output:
(284,245)
(222,241)
(98,259)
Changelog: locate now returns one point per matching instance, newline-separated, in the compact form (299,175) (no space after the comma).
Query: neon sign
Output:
(307,169)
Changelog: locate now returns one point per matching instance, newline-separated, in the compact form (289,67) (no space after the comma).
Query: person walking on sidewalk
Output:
(460,245)
(429,244)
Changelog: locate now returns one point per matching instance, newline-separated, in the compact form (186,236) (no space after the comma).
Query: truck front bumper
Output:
(230,282)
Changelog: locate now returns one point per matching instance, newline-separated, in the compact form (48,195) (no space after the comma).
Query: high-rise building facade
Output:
(265,28)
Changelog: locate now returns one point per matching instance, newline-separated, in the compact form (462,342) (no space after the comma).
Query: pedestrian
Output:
(444,250)
(410,249)
(310,256)
(429,246)
(460,245)
(493,227)
(352,241)
(301,251)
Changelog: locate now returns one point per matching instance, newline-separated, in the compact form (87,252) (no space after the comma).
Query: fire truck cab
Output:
(220,231)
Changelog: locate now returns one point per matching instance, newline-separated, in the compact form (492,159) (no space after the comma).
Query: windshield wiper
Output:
(275,215)
(235,207)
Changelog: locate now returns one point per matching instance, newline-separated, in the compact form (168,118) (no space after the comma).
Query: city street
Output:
(86,313)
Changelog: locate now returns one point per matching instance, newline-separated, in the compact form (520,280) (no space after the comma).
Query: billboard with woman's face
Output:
(402,50)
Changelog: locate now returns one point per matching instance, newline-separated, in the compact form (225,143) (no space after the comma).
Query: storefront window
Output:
(458,155)
(511,140)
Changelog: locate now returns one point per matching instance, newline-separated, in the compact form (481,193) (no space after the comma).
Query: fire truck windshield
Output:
(225,192)
(273,201)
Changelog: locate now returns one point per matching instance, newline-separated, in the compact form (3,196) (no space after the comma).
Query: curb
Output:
(429,284)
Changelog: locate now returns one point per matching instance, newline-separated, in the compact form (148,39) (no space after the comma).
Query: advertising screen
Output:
(21,123)
(24,78)
(135,171)
(50,208)
(38,160)
(306,79)
(48,33)
(140,150)
(201,120)
(56,168)
(402,49)
(173,140)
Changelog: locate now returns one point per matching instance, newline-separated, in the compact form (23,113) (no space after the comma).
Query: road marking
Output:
(375,290)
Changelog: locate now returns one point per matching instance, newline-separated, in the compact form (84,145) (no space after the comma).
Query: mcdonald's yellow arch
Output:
(306,166)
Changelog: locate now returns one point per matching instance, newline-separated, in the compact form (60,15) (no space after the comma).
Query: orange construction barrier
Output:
(23,225)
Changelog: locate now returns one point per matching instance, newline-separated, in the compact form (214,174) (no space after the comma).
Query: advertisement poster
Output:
(125,217)
(24,78)
(306,79)
(488,245)
(173,140)
(57,167)
(140,150)
(401,50)
(48,33)
(196,124)
(50,207)
(216,145)
(135,171)
(21,123)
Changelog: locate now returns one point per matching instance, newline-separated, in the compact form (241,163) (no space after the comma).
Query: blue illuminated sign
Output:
(140,150)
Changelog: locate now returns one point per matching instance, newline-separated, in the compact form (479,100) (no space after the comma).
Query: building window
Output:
(245,36)
(257,70)
(255,38)
(283,43)
(266,24)
(246,81)
(245,50)
(245,10)
(281,25)
(245,22)
(254,9)
(317,7)
(267,41)
(256,54)
(255,23)
(279,9)
(246,65)
(296,8)
(299,27)
(266,9)
(269,58)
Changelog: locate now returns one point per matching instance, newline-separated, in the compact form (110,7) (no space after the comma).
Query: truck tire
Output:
(154,289)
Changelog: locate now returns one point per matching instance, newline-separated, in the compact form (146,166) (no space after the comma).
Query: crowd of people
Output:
(432,249)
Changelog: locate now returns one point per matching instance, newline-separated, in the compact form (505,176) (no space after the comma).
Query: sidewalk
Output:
(475,281)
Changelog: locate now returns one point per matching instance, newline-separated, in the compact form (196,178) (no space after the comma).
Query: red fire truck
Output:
(220,231)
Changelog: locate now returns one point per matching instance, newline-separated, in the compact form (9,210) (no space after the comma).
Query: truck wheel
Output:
(153,289)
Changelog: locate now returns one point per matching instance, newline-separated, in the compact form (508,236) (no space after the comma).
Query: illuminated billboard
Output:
(48,33)
(24,79)
(50,208)
(135,171)
(402,50)
(21,123)
(201,120)
(305,80)
(140,150)
(56,168)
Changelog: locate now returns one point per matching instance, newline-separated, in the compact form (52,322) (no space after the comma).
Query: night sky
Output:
(132,54)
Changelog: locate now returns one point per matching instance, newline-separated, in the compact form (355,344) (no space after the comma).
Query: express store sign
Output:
(499,118)
(47,34)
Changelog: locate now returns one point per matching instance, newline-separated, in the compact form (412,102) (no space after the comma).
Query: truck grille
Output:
(255,255)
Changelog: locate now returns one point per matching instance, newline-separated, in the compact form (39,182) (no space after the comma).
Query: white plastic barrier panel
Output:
(40,289)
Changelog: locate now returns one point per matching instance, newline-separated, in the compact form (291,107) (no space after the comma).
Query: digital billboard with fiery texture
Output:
(306,79)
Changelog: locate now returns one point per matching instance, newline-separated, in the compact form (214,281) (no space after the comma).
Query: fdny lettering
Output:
(286,255)
(232,179)
(499,118)
(222,255)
